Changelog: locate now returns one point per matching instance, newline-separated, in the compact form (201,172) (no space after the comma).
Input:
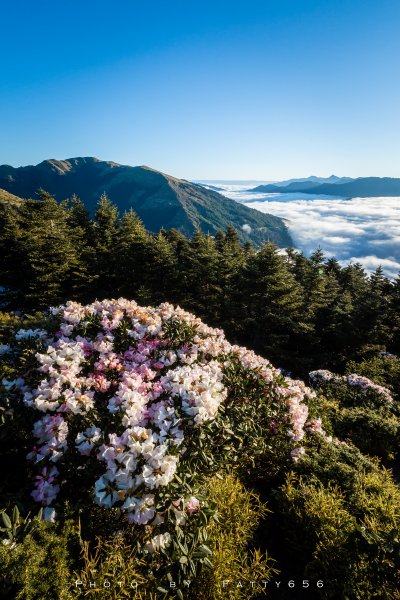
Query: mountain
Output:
(313,179)
(361,187)
(299,185)
(160,200)
(349,188)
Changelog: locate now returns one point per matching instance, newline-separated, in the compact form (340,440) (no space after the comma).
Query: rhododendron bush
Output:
(129,407)
(361,410)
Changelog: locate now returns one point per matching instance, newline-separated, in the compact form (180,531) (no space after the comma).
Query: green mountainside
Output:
(160,200)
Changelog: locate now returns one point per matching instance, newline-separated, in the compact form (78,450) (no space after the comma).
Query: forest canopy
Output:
(302,313)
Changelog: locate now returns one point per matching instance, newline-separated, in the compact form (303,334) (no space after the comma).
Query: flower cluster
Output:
(117,388)
(364,384)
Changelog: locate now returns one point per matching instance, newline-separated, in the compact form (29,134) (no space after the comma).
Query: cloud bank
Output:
(364,230)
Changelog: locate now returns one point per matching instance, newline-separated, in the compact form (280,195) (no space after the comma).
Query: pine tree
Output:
(181,292)
(233,257)
(372,308)
(314,286)
(272,306)
(84,276)
(131,255)
(160,276)
(49,253)
(393,317)
(106,230)
(205,289)
(10,251)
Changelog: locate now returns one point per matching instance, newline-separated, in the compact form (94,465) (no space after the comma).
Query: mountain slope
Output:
(7,198)
(160,200)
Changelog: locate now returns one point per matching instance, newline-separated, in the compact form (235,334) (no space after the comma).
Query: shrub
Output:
(128,408)
(36,564)
(360,410)
(341,514)
(383,368)
(239,512)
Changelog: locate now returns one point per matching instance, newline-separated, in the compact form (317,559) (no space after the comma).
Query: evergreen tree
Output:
(233,258)
(393,317)
(50,257)
(332,266)
(205,289)
(106,230)
(11,255)
(272,306)
(84,276)
(131,255)
(160,272)
(181,282)
(314,286)
(371,311)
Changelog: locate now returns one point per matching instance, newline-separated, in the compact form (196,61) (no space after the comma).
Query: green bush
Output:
(38,566)
(239,513)
(340,517)
(384,369)
(367,418)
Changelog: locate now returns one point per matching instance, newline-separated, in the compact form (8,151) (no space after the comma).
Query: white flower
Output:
(143,509)
(49,514)
(297,453)
(157,542)
(105,490)
(85,440)
(24,334)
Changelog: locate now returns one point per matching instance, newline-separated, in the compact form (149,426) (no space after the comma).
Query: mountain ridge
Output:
(159,199)
(359,187)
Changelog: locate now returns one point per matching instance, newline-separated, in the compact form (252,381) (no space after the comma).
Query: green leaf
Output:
(182,548)
(6,520)
(205,550)
(16,514)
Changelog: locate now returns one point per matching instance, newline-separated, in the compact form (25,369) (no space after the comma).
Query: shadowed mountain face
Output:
(160,200)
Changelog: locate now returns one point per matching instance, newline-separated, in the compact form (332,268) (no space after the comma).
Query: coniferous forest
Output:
(302,313)
(152,451)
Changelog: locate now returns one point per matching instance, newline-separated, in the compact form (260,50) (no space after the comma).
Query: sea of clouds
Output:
(364,230)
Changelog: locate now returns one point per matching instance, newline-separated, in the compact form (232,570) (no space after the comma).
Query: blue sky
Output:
(204,90)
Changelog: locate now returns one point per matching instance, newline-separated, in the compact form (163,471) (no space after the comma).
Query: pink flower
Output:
(192,505)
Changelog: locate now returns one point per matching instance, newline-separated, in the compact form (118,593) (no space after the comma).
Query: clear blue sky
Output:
(204,90)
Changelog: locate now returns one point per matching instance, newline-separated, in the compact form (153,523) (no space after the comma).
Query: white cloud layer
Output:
(364,230)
